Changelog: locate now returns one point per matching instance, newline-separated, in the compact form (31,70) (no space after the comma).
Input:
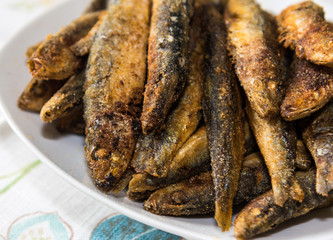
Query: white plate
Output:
(64,153)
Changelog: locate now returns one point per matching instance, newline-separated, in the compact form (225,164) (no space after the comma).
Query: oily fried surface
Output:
(53,59)
(303,28)
(262,214)
(252,39)
(167,60)
(310,87)
(318,137)
(113,91)
(223,116)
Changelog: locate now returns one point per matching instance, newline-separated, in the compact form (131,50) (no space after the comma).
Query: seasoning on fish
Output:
(68,97)
(30,50)
(258,58)
(310,87)
(277,143)
(196,195)
(303,158)
(223,116)
(167,60)
(83,46)
(114,85)
(96,5)
(72,122)
(191,159)
(318,137)
(155,151)
(262,214)
(37,93)
(304,29)
(54,59)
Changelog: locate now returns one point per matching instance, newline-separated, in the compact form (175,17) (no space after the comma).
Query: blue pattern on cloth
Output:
(124,228)
(40,226)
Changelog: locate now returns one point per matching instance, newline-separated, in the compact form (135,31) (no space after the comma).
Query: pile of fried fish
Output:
(196,106)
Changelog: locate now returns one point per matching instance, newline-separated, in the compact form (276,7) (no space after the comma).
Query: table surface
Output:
(35,203)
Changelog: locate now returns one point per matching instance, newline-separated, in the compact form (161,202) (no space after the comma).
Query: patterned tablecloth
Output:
(35,203)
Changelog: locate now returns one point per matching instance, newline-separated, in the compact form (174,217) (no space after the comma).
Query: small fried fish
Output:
(277,143)
(223,116)
(262,214)
(114,86)
(72,122)
(54,59)
(318,137)
(304,29)
(37,93)
(310,87)
(167,60)
(191,159)
(96,5)
(258,58)
(68,97)
(303,158)
(196,195)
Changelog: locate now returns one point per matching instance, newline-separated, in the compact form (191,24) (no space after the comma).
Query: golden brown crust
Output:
(53,59)
(303,158)
(258,58)
(303,28)
(167,60)
(310,88)
(196,195)
(67,98)
(318,137)
(154,152)
(262,214)
(191,159)
(37,93)
(83,46)
(113,91)
(223,115)
(277,143)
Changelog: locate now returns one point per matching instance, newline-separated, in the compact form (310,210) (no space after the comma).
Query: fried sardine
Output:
(277,143)
(68,97)
(167,60)
(54,59)
(155,151)
(318,137)
(262,214)
(37,93)
(191,159)
(113,91)
(223,116)
(252,39)
(303,28)
(196,195)
(310,87)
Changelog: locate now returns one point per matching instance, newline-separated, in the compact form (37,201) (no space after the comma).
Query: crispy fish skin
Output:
(191,159)
(96,5)
(258,58)
(83,46)
(30,50)
(262,214)
(53,59)
(196,195)
(167,60)
(114,85)
(37,93)
(155,151)
(277,143)
(68,97)
(72,122)
(223,116)
(318,137)
(303,158)
(310,87)
(304,29)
